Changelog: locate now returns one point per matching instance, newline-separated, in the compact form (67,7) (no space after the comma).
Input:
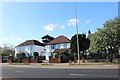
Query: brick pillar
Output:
(10,59)
(36,59)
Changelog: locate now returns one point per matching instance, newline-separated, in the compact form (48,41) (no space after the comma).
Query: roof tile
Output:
(31,42)
(60,39)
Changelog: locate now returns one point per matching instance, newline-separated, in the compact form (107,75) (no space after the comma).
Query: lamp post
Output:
(77,34)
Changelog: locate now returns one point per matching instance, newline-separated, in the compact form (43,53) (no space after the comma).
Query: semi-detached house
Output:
(58,44)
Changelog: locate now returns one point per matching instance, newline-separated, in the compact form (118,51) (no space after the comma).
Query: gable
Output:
(59,40)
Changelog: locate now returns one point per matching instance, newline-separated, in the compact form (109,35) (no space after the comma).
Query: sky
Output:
(23,21)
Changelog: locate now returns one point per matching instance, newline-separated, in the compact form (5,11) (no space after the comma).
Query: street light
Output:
(77,34)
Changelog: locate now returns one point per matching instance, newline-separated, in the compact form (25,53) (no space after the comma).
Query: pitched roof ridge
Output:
(57,40)
(31,42)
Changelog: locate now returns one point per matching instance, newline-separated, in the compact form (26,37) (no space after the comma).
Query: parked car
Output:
(4,59)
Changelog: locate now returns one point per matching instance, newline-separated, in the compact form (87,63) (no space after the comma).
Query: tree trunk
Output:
(111,59)
(75,58)
(83,60)
(83,57)
(110,56)
(96,59)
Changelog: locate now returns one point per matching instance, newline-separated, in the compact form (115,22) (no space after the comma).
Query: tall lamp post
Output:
(77,34)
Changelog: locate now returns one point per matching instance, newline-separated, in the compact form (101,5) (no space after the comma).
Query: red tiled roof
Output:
(60,39)
(31,42)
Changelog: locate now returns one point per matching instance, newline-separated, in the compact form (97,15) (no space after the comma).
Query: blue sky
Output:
(31,20)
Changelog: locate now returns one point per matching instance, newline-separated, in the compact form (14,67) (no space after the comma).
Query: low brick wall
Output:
(34,61)
(25,60)
(54,60)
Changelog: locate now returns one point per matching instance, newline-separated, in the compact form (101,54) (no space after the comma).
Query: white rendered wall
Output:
(40,50)
(56,46)
(30,49)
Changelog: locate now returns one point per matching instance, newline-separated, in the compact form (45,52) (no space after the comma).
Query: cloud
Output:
(11,38)
(87,21)
(5,38)
(50,27)
(19,38)
(72,22)
(62,26)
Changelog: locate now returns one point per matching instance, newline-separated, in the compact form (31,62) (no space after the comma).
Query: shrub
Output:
(21,55)
(36,54)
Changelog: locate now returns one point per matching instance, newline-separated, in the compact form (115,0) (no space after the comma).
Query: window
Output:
(61,46)
(58,46)
(28,48)
(52,46)
(65,45)
(18,49)
(68,45)
(31,47)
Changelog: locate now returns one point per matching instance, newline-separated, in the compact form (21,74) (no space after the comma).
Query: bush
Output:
(64,56)
(36,54)
(21,55)
(57,56)
(30,57)
(71,57)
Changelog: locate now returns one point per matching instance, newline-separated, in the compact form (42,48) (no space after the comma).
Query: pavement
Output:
(66,65)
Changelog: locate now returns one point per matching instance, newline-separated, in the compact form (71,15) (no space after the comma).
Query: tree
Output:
(94,46)
(83,44)
(46,39)
(107,38)
(6,50)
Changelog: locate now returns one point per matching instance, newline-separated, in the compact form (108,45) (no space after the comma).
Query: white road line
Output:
(107,65)
(78,74)
(20,71)
(2,78)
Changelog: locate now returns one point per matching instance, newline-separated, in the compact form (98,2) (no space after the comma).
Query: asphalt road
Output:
(19,72)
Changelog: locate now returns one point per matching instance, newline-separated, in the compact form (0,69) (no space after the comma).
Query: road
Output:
(21,72)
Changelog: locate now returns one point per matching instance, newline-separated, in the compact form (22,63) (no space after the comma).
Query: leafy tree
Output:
(46,39)
(6,50)
(83,44)
(94,46)
(107,38)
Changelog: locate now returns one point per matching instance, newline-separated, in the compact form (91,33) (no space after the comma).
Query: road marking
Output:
(20,71)
(107,65)
(39,69)
(2,78)
(78,74)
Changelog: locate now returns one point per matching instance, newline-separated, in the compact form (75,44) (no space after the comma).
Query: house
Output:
(56,46)
(29,47)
